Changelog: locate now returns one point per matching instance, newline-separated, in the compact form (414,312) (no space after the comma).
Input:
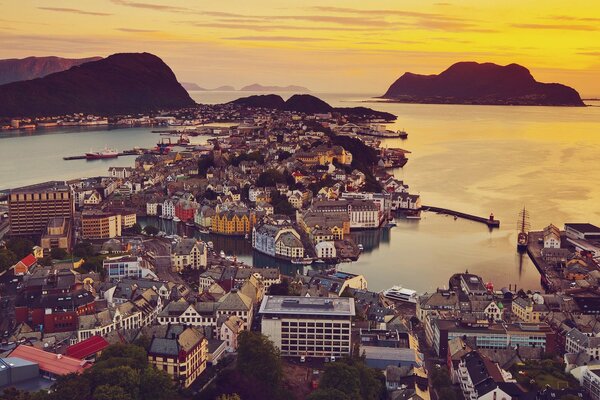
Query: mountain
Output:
(14,69)
(191,86)
(260,88)
(305,103)
(120,84)
(224,88)
(487,83)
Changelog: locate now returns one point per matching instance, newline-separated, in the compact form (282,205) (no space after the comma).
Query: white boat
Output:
(176,219)
(302,261)
(222,254)
(398,293)
(360,247)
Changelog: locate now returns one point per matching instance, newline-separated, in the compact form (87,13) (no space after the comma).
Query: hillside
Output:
(487,83)
(119,84)
(15,70)
(256,87)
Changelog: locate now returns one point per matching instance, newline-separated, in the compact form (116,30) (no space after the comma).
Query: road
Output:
(159,252)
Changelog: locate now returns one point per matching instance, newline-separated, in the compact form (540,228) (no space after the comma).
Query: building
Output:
(229,332)
(590,380)
(551,237)
(25,265)
(31,207)
(15,370)
(120,172)
(233,222)
(578,342)
(97,224)
(308,326)
(190,253)
(57,235)
(583,231)
(325,250)
(90,348)
(185,210)
(50,365)
(528,310)
(363,214)
(181,352)
(127,267)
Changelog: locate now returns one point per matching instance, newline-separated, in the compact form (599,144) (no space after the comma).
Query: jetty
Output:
(491,222)
(121,154)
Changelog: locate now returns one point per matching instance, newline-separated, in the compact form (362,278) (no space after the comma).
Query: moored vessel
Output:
(398,293)
(106,153)
(523,228)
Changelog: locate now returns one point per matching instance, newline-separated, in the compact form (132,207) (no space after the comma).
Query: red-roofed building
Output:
(88,348)
(50,364)
(23,266)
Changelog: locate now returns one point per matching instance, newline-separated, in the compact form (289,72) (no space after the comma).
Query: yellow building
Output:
(233,222)
(100,225)
(181,352)
(529,311)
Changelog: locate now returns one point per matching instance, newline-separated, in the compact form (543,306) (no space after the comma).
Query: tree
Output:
(83,250)
(151,230)
(204,164)
(327,394)
(440,378)
(447,393)
(111,392)
(7,259)
(21,247)
(259,359)
(280,289)
(341,376)
(269,178)
(156,385)
(210,194)
(46,261)
(58,253)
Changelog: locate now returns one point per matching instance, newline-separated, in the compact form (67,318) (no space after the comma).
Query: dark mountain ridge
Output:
(23,69)
(119,84)
(487,83)
(308,104)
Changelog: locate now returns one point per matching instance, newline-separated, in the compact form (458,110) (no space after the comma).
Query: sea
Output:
(474,159)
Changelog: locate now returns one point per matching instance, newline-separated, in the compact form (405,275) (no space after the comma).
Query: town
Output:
(93,290)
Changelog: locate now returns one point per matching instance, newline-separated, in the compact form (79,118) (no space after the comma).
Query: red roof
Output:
(29,260)
(54,363)
(87,347)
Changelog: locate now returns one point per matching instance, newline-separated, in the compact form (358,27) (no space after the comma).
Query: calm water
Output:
(476,159)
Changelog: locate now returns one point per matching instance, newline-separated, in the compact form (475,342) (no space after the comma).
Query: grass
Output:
(538,374)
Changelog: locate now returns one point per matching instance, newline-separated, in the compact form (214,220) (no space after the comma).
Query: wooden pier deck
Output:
(490,222)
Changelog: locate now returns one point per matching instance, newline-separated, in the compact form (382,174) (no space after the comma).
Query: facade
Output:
(551,237)
(234,223)
(528,311)
(100,225)
(577,342)
(58,234)
(120,172)
(181,352)
(590,381)
(229,332)
(278,239)
(325,250)
(188,252)
(126,267)
(363,214)
(31,207)
(25,265)
(185,210)
(307,326)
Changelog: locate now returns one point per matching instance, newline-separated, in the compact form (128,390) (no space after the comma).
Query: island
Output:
(119,84)
(483,84)
(256,87)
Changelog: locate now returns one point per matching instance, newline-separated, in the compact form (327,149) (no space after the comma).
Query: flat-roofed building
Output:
(58,234)
(100,225)
(308,326)
(31,207)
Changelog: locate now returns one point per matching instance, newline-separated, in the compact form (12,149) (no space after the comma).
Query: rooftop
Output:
(50,362)
(295,305)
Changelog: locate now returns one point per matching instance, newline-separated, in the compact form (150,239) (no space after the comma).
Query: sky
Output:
(326,45)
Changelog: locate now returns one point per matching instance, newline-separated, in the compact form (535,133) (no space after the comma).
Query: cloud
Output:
(261,26)
(151,6)
(277,38)
(571,18)
(75,11)
(590,53)
(562,27)
(133,30)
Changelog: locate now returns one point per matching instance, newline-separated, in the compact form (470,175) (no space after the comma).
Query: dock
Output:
(491,222)
(121,154)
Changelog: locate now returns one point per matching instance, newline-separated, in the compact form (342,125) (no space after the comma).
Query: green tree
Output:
(83,250)
(341,376)
(327,394)
(71,387)
(7,259)
(210,194)
(46,261)
(440,378)
(204,164)
(111,392)
(259,359)
(447,393)
(156,385)
(270,177)
(58,253)
(151,230)
(123,354)
(21,247)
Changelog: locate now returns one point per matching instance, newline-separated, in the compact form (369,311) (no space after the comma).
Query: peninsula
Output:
(485,84)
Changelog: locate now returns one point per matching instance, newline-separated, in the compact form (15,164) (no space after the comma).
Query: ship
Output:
(106,153)
(523,228)
(398,293)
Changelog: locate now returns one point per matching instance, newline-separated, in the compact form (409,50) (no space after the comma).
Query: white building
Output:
(308,326)
(551,237)
(120,172)
(325,250)
(127,267)
(168,208)
(578,342)
(188,252)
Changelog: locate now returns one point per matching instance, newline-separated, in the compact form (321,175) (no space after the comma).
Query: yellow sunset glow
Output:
(353,46)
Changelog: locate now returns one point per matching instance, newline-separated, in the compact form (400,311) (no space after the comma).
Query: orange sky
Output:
(350,46)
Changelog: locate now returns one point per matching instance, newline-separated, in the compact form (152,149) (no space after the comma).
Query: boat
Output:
(523,228)
(222,254)
(202,229)
(176,219)
(98,155)
(302,261)
(391,224)
(190,223)
(398,293)
(360,247)
(402,134)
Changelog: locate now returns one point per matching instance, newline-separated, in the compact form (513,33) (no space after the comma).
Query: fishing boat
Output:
(402,134)
(398,293)
(176,219)
(302,261)
(523,228)
(98,155)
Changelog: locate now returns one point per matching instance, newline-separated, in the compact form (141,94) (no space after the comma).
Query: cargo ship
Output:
(106,153)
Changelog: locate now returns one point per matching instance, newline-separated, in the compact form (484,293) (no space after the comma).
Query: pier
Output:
(490,222)
(121,154)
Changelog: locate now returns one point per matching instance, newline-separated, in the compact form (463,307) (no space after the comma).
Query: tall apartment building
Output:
(100,225)
(308,326)
(31,207)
